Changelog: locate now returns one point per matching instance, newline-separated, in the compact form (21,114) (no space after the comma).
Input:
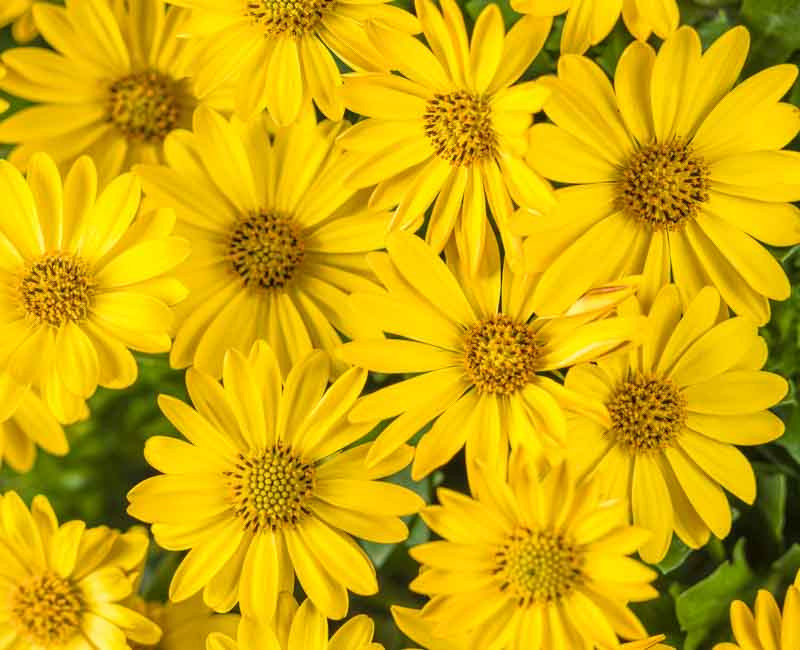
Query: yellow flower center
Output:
(271,489)
(663,185)
(459,125)
(266,249)
(500,354)
(46,610)
(538,567)
(145,106)
(647,413)
(287,17)
(57,288)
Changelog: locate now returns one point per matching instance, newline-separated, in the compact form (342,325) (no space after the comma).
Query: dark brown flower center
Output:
(500,354)
(663,185)
(266,249)
(459,126)
(539,567)
(271,490)
(647,413)
(46,610)
(57,288)
(145,106)
(288,17)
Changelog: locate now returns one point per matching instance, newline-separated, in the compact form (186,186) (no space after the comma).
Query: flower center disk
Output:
(459,126)
(47,610)
(539,567)
(271,490)
(647,413)
(663,185)
(266,249)
(57,288)
(287,17)
(145,106)
(500,354)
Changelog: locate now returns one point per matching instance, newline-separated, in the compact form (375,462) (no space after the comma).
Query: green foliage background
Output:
(763,550)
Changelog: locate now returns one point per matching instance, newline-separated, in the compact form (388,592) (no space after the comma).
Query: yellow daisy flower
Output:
(667,418)
(590,21)
(766,630)
(478,353)
(113,88)
(81,282)
(282,52)
(452,131)
(185,625)
(534,564)
(419,629)
(4,105)
(25,423)
(298,628)
(676,174)
(261,493)
(19,14)
(63,586)
(277,242)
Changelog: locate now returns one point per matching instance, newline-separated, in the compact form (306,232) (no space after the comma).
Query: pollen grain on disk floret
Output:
(76,597)
(115,98)
(478,352)
(85,283)
(662,182)
(533,557)
(282,51)
(451,132)
(668,419)
(268,492)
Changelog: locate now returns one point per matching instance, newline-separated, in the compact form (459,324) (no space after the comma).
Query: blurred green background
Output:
(762,551)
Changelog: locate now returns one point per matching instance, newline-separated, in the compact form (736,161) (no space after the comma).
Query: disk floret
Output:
(46,609)
(288,17)
(266,249)
(271,489)
(145,106)
(647,413)
(539,567)
(500,354)
(459,126)
(56,288)
(663,185)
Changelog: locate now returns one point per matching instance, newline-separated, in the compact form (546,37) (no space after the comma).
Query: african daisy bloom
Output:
(538,564)
(298,628)
(64,586)
(766,629)
(262,492)
(81,282)
(452,131)
(478,352)
(19,14)
(668,417)
(664,170)
(277,241)
(590,21)
(25,424)
(113,88)
(282,51)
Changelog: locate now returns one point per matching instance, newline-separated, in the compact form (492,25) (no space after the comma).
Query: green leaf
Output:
(676,556)
(772,501)
(705,604)
(775,28)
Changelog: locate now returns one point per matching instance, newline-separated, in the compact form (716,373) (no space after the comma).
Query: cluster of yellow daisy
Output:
(593,349)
